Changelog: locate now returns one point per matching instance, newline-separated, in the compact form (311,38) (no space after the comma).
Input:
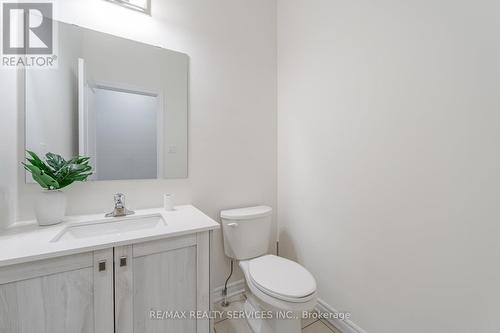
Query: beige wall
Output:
(389,159)
(232,115)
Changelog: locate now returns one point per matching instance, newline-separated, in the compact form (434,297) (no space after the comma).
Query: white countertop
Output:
(30,242)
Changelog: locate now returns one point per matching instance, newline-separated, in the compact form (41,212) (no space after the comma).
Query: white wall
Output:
(389,163)
(232,115)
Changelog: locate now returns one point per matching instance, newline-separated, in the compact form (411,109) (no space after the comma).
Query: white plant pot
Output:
(50,207)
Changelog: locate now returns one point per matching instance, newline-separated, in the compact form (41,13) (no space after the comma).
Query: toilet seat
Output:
(282,279)
(270,302)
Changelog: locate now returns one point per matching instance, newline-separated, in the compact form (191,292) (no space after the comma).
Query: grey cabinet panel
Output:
(58,303)
(61,295)
(165,282)
(170,277)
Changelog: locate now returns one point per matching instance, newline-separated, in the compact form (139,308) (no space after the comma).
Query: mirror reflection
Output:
(121,134)
(120,102)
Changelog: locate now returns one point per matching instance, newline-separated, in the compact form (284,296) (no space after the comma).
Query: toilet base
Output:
(280,321)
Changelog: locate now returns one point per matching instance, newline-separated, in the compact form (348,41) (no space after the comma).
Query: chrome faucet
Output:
(120,209)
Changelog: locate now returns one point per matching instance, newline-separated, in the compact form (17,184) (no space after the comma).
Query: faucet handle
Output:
(119,200)
(120,209)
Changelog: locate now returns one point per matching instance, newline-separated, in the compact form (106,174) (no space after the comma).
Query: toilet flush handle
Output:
(232,225)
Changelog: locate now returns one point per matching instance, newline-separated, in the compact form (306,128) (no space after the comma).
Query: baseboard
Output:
(342,325)
(233,289)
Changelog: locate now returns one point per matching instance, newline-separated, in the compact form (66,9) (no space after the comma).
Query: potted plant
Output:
(54,174)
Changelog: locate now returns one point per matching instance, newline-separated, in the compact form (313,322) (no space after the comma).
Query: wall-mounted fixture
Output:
(143,6)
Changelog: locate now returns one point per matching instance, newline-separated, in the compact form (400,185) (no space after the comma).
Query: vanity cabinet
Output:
(112,290)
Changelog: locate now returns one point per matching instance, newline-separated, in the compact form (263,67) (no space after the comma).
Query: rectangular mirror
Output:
(120,102)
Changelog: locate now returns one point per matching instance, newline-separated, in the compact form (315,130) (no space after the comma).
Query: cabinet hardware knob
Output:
(123,261)
(102,265)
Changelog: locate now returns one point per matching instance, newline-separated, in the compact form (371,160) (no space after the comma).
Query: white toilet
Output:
(278,289)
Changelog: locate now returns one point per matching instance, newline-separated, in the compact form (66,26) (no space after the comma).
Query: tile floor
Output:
(224,325)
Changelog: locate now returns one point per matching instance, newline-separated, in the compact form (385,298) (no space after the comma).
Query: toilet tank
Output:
(246,231)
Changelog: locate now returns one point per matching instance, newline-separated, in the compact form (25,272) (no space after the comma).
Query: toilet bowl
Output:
(281,288)
(278,290)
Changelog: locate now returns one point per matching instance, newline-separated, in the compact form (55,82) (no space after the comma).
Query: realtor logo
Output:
(28,32)
(27,28)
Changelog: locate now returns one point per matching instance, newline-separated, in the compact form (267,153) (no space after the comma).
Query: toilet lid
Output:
(278,276)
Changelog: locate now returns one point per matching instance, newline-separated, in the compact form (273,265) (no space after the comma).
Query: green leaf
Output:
(36,161)
(55,161)
(55,172)
(35,173)
(41,177)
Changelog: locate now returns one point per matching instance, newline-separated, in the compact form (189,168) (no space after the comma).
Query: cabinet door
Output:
(158,284)
(62,295)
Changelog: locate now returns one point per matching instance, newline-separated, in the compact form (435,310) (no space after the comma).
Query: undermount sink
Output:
(115,226)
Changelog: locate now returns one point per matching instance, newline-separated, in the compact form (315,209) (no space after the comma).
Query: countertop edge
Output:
(208,224)
(84,249)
